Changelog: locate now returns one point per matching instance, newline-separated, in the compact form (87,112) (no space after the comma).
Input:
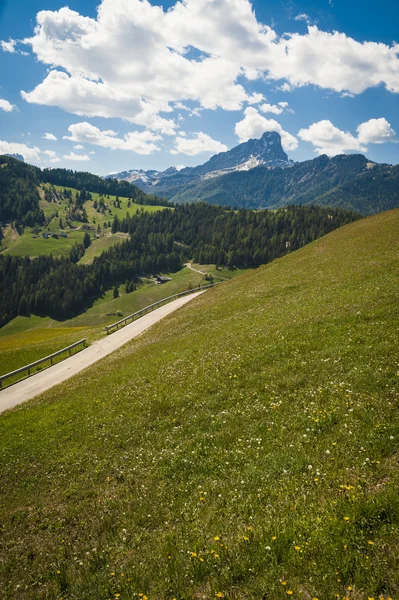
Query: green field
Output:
(28,245)
(246,447)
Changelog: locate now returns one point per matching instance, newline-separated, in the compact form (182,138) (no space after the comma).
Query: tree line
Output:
(159,242)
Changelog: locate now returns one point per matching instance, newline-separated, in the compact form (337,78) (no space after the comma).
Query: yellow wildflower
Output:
(219,595)
(346,518)
(370,542)
(216,538)
(290,592)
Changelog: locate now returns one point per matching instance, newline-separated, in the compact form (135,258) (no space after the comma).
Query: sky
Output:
(111,85)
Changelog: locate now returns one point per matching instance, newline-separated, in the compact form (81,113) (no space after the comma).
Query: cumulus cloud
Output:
(29,154)
(254,126)
(50,136)
(202,51)
(330,140)
(78,147)
(73,156)
(376,131)
(141,142)
(53,158)
(196,144)
(7,106)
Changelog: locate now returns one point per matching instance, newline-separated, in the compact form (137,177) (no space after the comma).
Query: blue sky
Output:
(154,84)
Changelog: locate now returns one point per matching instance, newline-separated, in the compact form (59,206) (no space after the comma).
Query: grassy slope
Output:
(26,245)
(247,445)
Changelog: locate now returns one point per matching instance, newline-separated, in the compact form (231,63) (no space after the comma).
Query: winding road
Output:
(40,382)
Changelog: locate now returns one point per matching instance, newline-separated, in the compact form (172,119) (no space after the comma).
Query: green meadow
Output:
(31,244)
(246,447)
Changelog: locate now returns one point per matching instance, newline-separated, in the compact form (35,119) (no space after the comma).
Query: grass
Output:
(221,273)
(246,447)
(27,245)
(99,245)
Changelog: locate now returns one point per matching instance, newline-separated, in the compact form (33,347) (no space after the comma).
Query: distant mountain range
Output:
(258,174)
(266,151)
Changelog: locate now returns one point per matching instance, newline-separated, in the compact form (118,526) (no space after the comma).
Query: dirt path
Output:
(39,383)
(190,266)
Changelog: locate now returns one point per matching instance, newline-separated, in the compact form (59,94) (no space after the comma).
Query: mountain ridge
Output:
(257,175)
(265,151)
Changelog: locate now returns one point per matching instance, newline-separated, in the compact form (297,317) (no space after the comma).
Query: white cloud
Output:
(141,142)
(303,17)
(78,147)
(29,154)
(50,136)
(276,109)
(7,106)
(200,142)
(256,98)
(135,60)
(8,46)
(330,140)
(376,131)
(73,156)
(254,126)
(53,158)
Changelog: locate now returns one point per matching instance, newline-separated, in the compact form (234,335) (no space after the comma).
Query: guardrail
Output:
(151,307)
(41,361)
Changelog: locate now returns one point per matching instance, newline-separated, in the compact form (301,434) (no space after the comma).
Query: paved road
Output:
(39,383)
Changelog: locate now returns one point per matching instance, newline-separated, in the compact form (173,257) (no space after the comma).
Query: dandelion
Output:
(290,592)
(194,554)
(297,548)
(219,595)
(346,518)
(117,595)
(216,538)
(274,537)
(283,583)
(370,542)
(246,538)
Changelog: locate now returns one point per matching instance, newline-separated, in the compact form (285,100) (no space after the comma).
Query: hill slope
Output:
(20,199)
(246,447)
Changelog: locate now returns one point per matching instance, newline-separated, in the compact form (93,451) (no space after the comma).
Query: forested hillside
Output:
(348,181)
(19,195)
(213,234)
(159,242)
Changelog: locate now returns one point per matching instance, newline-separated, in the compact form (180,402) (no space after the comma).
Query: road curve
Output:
(44,380)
